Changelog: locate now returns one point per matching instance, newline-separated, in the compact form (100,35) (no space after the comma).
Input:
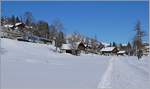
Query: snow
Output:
(121,52)
(8,25)
(27,65)
(107,49)
(18,23)
(106,78)
(66,46)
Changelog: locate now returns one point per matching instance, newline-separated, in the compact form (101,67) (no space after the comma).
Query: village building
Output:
(5,32)
(109,51)
(146,49)
(78,48)
(81,46)
(88,48)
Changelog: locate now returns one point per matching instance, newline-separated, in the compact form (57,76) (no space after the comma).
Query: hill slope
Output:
(35,66)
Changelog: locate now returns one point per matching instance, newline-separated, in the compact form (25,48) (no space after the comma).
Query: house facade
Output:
(78,48)
(109,51)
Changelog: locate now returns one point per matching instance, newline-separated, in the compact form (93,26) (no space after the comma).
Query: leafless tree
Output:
(137,41)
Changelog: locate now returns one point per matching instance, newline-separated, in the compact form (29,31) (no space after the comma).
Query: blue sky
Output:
(109,21)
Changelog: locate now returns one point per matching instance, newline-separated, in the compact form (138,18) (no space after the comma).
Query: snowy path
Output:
(129,76)
(123,74)
(105,82)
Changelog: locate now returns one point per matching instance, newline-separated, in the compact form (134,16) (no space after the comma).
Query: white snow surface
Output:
(66,46)
(27,65)
(18,23)
(121,52)
(107,49)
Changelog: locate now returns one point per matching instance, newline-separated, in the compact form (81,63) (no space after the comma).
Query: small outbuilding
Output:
(66,48)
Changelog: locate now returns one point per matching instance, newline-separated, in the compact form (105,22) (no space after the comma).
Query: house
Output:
(12,31)
(146,49)
(121,52)
(66,48)
(5,32)
(88,48)
(75,49)
(80,46)
(20,25)
(109,50)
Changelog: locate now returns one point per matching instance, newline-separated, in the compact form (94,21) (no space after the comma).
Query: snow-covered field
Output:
(35,66)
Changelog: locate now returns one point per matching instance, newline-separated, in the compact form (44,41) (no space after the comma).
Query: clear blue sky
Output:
(110,21)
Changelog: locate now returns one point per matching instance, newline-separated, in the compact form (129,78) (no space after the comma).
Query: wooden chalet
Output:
(109,51)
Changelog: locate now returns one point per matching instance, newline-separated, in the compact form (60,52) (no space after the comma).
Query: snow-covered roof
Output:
(18,24)
(8,25)
(66,46)
(121,52)
(107,49)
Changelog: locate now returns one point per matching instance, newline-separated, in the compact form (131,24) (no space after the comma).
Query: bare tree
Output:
(52,32)
(58,28)
(74,38)
(137,41)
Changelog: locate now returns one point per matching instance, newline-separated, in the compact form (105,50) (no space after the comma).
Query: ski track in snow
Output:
(105,82)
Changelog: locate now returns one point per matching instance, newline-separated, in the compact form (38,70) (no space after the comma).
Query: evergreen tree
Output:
(114,44)
(120,46)
(17,19)
(13,20)
(110,45)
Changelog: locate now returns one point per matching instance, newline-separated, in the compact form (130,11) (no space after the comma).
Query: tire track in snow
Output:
(105,82)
